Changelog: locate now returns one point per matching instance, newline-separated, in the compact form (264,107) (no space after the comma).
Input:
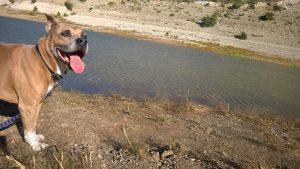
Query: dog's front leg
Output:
(29,115)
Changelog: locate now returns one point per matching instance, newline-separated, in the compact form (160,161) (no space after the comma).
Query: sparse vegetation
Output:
(82,0)
(35,9)
(267,16)
(242,36)
(172,14)
(277,7)
(132,139)
(236,4)
(251,5)
(33,1)
(187,1)
(69,5)
(58,14)
(111,3)
(209,21)
(12,1)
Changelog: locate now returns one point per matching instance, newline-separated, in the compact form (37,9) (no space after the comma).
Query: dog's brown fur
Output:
(25,78)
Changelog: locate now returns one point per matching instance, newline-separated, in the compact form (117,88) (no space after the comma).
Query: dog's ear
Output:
(51,23)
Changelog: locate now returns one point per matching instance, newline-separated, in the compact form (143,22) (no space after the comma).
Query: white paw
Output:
(43,145)
(40,137)
(34,139)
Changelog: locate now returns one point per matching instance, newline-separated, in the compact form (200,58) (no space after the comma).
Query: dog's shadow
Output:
(9,110)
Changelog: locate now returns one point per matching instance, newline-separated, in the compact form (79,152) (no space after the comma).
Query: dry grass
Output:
(187,134)
(133,147)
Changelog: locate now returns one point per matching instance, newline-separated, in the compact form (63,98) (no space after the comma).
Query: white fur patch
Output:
(58,70)
(50,87)
(33,140)
(87,48)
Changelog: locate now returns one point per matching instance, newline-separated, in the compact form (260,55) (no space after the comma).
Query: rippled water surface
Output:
(139,68)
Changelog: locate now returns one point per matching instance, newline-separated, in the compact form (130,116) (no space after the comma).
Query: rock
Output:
(155,156)
(167,153)
(209,130)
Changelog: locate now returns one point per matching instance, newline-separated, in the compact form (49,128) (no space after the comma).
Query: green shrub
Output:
(33,1)
(208,21)
(58,14)
(277,7)
(252,5)
(188,1)
(242,36)
(111,3)
(236,5)
(267,16)
(69,5)
(35,9)
(227,15)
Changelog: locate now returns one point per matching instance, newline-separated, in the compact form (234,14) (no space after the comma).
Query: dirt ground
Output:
(94,131)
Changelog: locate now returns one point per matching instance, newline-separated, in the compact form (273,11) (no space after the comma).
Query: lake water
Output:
(137,68)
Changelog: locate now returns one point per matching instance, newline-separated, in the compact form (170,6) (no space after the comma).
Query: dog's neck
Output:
(54,64)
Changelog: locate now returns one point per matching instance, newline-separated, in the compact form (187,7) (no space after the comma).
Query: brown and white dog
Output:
(28,73)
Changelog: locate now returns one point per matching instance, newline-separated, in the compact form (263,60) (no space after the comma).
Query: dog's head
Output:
(68,44)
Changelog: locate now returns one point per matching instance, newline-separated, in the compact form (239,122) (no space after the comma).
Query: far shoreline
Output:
(198,45)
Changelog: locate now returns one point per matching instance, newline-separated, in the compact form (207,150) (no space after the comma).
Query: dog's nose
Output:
(80,41)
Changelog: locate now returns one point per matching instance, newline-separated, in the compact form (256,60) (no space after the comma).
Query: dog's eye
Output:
(66,33)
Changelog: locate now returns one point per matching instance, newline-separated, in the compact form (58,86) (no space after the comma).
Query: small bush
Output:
(65,15)
(227,15)
(277,7)
(267,16)
(35,9)
(111,3)
(33,1)
(82,0)
(172,14)
(188,1)
(242,36)
(12,1)
(208,21)
(69,5)
(252,5)
(236,5)
(207,4)
(58,14)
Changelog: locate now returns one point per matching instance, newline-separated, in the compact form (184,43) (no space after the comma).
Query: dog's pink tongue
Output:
(76,64)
